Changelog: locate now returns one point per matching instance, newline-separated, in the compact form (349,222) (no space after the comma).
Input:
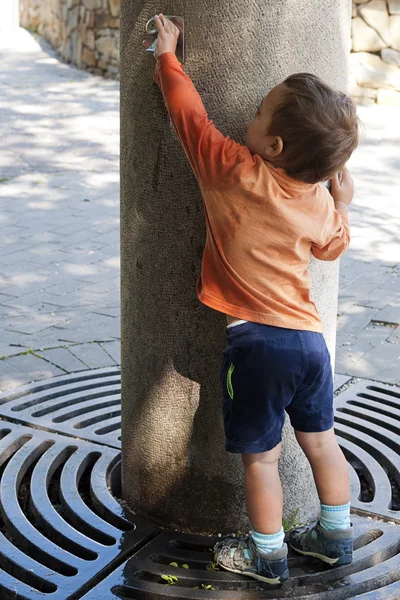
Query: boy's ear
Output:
(275,145)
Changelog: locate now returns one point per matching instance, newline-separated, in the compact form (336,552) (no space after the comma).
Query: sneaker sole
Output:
(276,581)
(325,559)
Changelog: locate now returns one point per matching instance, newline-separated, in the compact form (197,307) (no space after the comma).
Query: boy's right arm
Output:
(212,155)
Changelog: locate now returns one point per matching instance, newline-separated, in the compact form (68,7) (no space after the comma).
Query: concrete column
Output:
(175,469)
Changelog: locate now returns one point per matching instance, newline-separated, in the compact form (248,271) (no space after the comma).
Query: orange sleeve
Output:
(212,155)
(338,238)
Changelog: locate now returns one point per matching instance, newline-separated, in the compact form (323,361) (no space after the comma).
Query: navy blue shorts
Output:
(266,372)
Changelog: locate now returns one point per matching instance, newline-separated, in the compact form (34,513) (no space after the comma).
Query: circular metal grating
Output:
(86,405)
(367,424)
(62,531)
(59,523)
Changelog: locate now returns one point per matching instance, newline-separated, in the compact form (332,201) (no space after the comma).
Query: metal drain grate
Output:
(376,567)
(85,405)
(62,530)
(367,423)
(60,526)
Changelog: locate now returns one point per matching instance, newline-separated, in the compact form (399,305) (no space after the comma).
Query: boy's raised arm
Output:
(211,154)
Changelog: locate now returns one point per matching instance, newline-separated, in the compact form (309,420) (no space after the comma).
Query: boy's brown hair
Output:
(318,126)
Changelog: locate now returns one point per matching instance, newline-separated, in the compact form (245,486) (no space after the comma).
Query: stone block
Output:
(73,16)
(388,97)
(365,101)
(114,6)
(76,47)
(390,56)
(103,32)
(82,31)
(101,19)
(365,38)
(67,50)
(88,58)
(395,32)
(92,4)
(371,71)
(362,92)
(90,18)
(375,14)
(394,7)
(106,46)
(89,39)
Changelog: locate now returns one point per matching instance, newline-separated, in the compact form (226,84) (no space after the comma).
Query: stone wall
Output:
(83,32)
(375,58)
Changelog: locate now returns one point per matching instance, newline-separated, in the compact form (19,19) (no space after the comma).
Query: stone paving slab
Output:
(59,197)
(63,359)
(370,269)
(59,218)
(25,368)
(92,355)
(113,349)
(340,381)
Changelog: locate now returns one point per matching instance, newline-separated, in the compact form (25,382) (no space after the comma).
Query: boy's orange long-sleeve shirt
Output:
(262,225)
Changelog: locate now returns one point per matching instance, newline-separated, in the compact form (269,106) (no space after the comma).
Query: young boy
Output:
(266,213)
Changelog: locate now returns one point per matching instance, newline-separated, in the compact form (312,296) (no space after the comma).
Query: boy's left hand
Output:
(168,35)
(342,189)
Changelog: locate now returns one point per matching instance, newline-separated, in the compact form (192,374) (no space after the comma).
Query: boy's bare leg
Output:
(264,498)
(329,466)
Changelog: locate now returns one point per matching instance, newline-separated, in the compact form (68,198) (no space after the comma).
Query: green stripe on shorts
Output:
(229,385)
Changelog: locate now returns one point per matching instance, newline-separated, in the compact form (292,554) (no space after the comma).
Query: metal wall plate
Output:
(367,425)
(376,567)
(151,29)
(60,525)
(84,405)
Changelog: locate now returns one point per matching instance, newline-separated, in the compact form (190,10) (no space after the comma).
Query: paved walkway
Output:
(59,219)
(369,300)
